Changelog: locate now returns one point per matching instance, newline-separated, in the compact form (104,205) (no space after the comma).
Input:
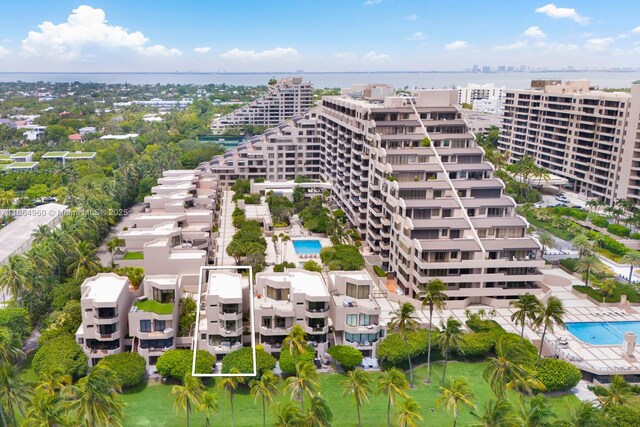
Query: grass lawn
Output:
(155,306)
(27,373)
(133,255)
(153,405)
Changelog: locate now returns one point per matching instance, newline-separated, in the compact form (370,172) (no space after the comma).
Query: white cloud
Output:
(202,50)
(513,46)
(535,32)
(4,52)
(599,43)
(347,55)
(636,30)
(370,2)
(555,47)
(375,56)
(413,17)
(555,12)
(456,45)
(283,53)
(86,28)
(418,35)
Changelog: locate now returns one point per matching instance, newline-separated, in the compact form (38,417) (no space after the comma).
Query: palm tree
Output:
(403,321)
(633,259)
(582,244)
(295,343)
(265,389)
(496,413)
(587,265)
(551,314)
(527,307)
(617,393)
(306,381)
(288,415)
(319,413)
(546,240)
(284,239)
(208,405)
(10,346)
(41,234)
(54,380)
(450,337)
(457,393)
(44,409)
(509,369)
(435,298)
(188,394)
(14,391)
(113,246)
(392,382)
(16,276)
(95,399)
(357,384)
(537,413)
(83,261)
(409,413)
(230,385)
(585,414)
(274,239)
(7,198)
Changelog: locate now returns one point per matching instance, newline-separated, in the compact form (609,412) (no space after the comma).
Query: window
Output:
(359,292)
(159,325)
(145,326)
(266,322)
(437,194)
(163,296)
(277,294)
(352,320)
(364,320)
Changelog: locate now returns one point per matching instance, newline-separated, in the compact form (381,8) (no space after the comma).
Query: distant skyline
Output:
(363,35)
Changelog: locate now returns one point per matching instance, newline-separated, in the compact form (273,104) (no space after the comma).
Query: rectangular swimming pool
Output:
(307,247)
(602,333)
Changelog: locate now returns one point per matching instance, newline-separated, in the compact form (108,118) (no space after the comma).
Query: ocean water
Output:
(411,80)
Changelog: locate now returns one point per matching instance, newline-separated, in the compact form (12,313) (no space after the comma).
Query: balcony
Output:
(316,329)
(165,333)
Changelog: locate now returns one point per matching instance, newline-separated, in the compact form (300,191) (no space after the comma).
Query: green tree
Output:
(305,381)
(584,414)
(230,385)
(457,393)
(288,415)
(551,313)
(546,240)
(357,384)
(536,413)
(409,413)
(113,246)
(187,396)
(295,343)
(587,265)
(16,276)
(319,413)
(496,413)
(433,296)
(617,393)
(403,320)
(95,400)
(83,261)
(14,392)
(582,244)
(130,368)
(527,307)
(265,389)
(44,409)
(208,405)
(633,259)
(392,382)
(10,346)
(450,337)
(509,369)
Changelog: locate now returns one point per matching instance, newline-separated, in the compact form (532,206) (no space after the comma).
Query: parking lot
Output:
(573,199)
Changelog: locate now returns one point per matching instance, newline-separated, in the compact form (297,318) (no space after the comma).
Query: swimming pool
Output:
(602,333)
(307,247)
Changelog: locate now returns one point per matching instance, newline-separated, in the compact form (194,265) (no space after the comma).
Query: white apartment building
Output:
(485,98)
(287,98)
(574,131)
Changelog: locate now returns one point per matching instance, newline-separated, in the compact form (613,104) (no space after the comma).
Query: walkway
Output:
(227,230)
(583,393)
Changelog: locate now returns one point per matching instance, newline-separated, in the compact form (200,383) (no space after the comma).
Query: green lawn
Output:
(133,255)
(153,405)
(155,306)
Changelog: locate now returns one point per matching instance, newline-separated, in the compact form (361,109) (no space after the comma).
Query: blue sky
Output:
(358,35)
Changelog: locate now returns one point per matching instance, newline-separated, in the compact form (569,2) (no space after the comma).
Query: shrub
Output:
(623,416)
(134,274)
(599,221)
(252,199)
(620,289)
(242,360)
(379,272)
(619,230)
(129,367)
(177,363)
(311,265)
(578,214)
(65,292)
(342,257)
(392,351)
(17,320)
(598,390)
(635,236)
(286,360)
(476,324)
(514,339)
(347,356)
(426,142)
(476,345)
(279,268)
(569,264)
(63,352)
(237,217)
(187,316)
(557,375)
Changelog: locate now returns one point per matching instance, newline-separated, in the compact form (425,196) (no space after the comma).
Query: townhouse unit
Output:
(154,316)
(222,328)
(105,301)
(285,99)
(282,300)
(430,207)
(355,313)
(571,129)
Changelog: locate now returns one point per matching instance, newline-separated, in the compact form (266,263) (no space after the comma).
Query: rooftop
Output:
(225,284)
(105,287)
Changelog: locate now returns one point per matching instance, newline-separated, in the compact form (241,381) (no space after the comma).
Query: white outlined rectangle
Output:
(196,334)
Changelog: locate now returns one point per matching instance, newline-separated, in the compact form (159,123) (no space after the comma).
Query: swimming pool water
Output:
(602,333)
(306,247)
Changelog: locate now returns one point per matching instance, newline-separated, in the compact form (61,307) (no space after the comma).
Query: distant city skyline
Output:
(369,35)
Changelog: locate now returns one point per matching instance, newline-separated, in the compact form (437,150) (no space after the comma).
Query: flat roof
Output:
(225,284)
(301,281)
(105,288)
(22,165)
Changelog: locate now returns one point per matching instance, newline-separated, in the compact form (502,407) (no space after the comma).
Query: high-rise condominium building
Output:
(486,98)
(573,130)
(287,98)
(430,207)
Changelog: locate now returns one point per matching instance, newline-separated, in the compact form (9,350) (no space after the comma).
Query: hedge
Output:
(347,356)
(599,221)
(392,351)
(63,352)
(514,339)
(128,367)
(612,245)
(476,324)
(619,230)
(620,289)
(178,362)
(311,265)
(623,416)
(279,268)
(379,272)
(569,264)
(242,360)
(286,360)
(635,236)
(477,345)
(557,375)
(578,214)
(252,199)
